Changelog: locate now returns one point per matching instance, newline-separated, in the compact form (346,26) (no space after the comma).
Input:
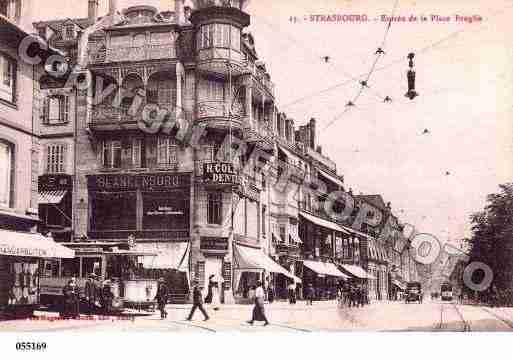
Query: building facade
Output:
(175,142)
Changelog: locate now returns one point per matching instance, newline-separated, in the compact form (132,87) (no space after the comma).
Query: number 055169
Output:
(30,346)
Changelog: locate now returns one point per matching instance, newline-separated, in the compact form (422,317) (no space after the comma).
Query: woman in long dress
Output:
(259,309)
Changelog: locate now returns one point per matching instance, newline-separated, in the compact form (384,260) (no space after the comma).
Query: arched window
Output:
(6,173)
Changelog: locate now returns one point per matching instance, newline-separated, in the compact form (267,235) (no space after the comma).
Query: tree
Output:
(492,236)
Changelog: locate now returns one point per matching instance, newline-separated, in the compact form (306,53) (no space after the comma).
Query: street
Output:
(431,316)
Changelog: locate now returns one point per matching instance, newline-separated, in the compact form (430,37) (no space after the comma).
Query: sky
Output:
(463,75)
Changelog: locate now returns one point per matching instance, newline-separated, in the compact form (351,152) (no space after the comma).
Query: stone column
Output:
(249,105)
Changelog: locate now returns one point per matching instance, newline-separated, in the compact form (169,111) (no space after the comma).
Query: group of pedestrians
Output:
(353,295)
(97,297)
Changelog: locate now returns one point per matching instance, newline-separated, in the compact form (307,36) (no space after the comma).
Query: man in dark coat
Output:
(91,292)
(71,302)
(161,298)
(107,297)
(197,302)
(310,294)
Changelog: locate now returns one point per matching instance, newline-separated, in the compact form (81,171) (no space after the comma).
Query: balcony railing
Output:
(111,113)
(135,53)
(292,171)
(261,77)
(215,108)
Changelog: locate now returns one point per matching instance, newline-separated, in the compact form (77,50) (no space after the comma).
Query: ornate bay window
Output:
(218,35)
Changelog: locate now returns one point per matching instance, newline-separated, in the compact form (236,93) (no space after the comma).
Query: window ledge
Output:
(56,124)
(9,104)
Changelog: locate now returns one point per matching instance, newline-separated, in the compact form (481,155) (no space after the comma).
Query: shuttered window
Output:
(56,158)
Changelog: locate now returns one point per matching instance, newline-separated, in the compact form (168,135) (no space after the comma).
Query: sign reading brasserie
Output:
(214,244)
(127,182)
(219,173)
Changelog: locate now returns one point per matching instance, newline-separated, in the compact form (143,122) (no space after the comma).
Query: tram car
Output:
(413,292)
(446,292)
(116,263)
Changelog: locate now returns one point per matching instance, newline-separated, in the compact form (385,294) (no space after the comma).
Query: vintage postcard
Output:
(255,166)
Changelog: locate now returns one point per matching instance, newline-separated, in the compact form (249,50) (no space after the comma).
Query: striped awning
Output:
(51,197)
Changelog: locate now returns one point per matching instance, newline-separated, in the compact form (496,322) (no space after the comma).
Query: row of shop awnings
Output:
(357,271)
(323,223)
(20,244)
(252,259)
(52,197)
(323,268)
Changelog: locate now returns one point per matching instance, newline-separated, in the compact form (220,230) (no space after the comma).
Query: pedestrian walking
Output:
(92,293)
(71,301)
(161,298)
(270,293)
(216,294)
(259,309)
(292,292)
(197,302)
(310,294)
(208,298)
(106,297)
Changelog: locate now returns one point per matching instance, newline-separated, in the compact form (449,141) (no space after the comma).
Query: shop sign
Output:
(141,181)
(219,173)
(214,244)
(23,252)
(54,182)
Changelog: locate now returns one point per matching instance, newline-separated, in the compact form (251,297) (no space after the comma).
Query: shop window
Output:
(21,280)
(111,154)
(70,267)
(51,268)
(104,218)
(7,79)
(167,151)
(215,208)
(56,158)
(91,265)
(56,110)
(165,211)
(6,173)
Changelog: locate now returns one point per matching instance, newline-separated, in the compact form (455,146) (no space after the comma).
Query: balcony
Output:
(295,173)
(110,117)
(133,53)
(262,79)
(217,115)
(261,138)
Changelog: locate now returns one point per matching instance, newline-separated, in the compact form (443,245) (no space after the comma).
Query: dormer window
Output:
(69,32)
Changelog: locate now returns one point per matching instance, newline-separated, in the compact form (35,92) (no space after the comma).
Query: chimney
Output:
(179,11)
(113,7)
(319,150)
(312,143)
(92,10)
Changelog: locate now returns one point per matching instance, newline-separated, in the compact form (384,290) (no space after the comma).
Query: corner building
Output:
(184,200)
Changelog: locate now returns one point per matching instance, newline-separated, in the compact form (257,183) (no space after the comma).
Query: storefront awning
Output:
(168,255)
(51,197)
(357,271)
(323,223)
(324,269)
(21,244)
(247,258)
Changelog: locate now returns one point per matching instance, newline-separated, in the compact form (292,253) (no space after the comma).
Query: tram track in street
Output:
(443,325)
(466,326)
(506,321)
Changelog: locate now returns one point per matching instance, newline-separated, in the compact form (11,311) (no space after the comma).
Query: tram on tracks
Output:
(446,292)
(115,262)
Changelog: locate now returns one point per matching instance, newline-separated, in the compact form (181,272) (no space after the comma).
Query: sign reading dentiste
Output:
(219,173)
